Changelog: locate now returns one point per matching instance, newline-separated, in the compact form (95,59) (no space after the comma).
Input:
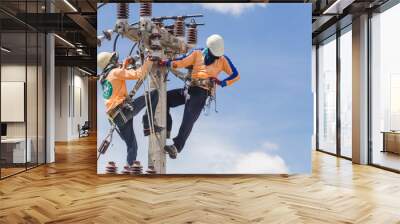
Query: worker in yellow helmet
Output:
(207,64)
(119,107)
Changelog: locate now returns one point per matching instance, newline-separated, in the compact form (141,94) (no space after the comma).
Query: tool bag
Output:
(121,114)
(205,84)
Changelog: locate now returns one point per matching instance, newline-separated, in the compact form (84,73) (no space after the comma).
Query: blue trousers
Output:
(126,130)
(193,108)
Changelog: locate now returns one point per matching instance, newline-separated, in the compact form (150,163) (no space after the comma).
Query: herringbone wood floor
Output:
(69,191)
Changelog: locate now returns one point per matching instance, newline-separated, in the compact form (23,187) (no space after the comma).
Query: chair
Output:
(84,130)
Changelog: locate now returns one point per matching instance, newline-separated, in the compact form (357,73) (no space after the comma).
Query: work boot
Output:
(157,129)
(171,150)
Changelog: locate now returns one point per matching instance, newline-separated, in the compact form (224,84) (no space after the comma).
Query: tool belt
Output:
(203,83)
(121,114)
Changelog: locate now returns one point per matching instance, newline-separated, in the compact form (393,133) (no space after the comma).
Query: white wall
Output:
(33,126)
(61,103)
(71,102)
(16,73)
(12,73)
(80,85)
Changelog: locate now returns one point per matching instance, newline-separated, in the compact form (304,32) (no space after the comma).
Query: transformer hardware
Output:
(145,9)
(123,11)
(192,32)
(179,27)
(111,168)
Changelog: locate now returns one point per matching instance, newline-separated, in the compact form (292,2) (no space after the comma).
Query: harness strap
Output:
(106,71)
(203,83)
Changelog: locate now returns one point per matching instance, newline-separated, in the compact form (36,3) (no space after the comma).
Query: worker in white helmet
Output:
(206,65)
(119,107)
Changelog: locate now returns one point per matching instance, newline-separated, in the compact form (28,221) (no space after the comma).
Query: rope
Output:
(150,104)
(148,109)
(150,116)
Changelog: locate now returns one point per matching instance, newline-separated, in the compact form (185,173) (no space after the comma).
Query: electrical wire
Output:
(115,42)
(133,47)
(101,5)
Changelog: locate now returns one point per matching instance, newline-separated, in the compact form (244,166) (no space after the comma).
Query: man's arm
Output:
(133,74)
(230,69)
(185,60)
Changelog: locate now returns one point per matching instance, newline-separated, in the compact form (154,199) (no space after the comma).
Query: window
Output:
(385,88)
(22,77)
(346,92)
(327,95)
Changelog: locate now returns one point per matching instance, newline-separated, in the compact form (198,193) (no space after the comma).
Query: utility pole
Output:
(157,141)
(162,42)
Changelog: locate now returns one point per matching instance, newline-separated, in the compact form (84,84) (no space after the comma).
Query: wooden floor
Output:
(5,172)
(69,191)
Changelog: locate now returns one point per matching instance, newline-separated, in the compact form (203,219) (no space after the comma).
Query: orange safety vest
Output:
(195,58)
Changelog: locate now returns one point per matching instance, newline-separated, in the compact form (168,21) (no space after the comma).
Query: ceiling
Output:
(330,15)
(75,21)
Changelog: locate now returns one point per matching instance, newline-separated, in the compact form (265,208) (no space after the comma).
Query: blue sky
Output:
(265,119)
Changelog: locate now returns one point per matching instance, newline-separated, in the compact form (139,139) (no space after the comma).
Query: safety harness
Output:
(120,114)
(207,84)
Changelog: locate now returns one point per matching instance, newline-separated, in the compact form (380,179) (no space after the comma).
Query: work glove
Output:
(128,61)
(223,83)
(219,82)
(215,80)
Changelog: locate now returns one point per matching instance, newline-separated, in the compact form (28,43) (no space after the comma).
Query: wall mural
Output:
(208,88)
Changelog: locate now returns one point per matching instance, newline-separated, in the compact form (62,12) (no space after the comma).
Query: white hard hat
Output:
(103,59)
(216,45)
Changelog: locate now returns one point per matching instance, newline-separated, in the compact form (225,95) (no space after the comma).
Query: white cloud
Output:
(211,149)
(267,145)
(261,163)
(217,155)
(231,8)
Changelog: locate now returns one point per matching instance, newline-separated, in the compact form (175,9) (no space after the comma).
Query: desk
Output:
(13,150)
(391,141)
